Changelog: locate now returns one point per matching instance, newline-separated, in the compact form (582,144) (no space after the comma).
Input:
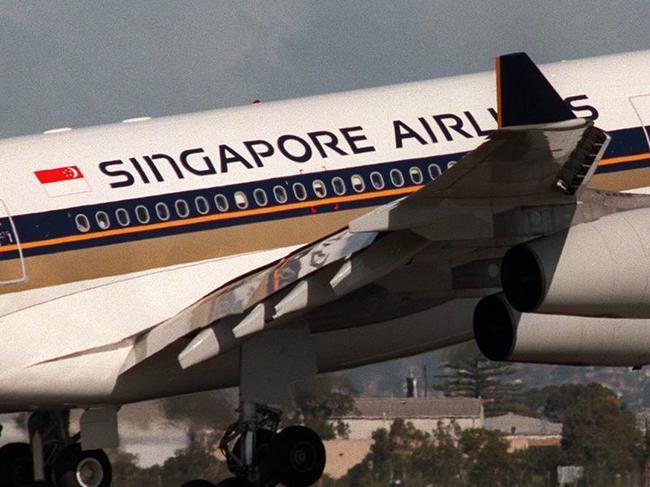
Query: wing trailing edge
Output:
(524,95)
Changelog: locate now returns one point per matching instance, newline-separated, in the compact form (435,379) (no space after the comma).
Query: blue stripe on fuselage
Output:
(61,223)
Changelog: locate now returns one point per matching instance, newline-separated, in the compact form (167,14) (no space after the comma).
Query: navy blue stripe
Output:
(61,223)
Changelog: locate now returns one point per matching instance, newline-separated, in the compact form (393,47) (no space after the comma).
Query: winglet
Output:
(524,95)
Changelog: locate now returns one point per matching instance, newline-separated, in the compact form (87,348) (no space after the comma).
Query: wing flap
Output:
(541,155)
(247,291)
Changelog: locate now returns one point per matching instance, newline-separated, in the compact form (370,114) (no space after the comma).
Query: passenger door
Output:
(12,262)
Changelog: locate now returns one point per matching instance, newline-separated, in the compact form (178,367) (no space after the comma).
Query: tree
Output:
(321,401)
(127,473)
(194,462)
(479,377)
(537,466)
(488,462)
(439,462)
(390,458)
(601,434)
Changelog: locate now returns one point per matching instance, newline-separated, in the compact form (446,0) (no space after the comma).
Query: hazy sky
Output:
(83,63)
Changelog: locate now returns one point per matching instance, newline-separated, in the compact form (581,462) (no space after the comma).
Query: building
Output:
(342,455)
(425,413)
(524,432)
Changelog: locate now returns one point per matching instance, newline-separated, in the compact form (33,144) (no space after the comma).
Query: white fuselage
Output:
(107,231)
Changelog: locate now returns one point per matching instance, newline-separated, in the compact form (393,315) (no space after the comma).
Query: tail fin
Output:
(524,95)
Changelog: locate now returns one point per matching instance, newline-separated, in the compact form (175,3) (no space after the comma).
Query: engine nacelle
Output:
(502,333)
(600,268)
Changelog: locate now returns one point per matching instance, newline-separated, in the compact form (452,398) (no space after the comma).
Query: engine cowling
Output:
(503,333)
(600,268)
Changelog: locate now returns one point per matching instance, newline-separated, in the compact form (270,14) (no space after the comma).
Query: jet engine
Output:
(601,268)
(503,333)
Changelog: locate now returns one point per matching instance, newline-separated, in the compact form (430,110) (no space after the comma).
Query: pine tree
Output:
(481,378)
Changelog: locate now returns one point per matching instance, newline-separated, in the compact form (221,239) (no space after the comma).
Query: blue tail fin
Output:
(524,95)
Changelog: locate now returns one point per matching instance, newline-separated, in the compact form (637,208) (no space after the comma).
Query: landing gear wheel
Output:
(16,467)
(76,468)
(234,482)
(297,456)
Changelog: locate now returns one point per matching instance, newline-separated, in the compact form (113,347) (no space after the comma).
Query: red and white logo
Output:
(61,181)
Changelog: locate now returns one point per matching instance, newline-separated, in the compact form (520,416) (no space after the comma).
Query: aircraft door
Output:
(641,105)
(12,262)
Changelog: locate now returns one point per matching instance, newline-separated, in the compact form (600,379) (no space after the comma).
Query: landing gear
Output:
(260,457)
(297,456)
(53,458)
(198,483)
(77,468)
(16,467)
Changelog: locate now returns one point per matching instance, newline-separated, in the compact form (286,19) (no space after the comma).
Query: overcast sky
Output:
(83,63)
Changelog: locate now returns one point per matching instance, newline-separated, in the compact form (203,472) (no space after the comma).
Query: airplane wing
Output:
(523,182)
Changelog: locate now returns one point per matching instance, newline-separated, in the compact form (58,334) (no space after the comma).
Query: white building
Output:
(523,432)
(425,413)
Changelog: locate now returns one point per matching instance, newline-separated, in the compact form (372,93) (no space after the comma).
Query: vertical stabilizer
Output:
(524,95)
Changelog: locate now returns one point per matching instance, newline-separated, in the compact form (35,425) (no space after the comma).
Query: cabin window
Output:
(299,191)
(241,200)
(434,171)
(103,221)
(280,194)
(260,197)
(82,222)
(222,202)
(319,188)
(182,208)
(416,175)
(122,217)
(338,185)
(162,211)
(377,180)
(357,183)
(397,177)
(202,205)
(142,214)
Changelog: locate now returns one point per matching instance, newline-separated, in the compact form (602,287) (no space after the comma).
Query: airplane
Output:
(259,245)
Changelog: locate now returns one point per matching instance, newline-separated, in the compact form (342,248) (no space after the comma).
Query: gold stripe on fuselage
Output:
(625,179)
(152,253)
(622,180)
(80,237)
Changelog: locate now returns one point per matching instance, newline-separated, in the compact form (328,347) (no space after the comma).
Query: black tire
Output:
(234,482)
(198,483)
(297,456)
(16,465)
(69,468)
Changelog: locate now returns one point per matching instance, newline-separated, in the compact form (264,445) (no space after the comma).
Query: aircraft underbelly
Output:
(60,325)
(95,378)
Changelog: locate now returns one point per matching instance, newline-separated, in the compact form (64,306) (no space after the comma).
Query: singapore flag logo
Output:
(62,181)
